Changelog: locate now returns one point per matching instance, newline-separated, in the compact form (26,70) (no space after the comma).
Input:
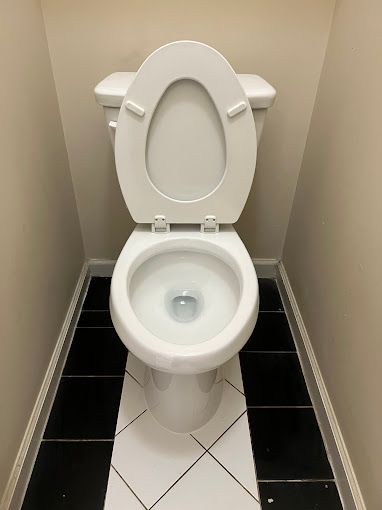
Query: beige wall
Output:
(334,242)
(282,41)
(41,248)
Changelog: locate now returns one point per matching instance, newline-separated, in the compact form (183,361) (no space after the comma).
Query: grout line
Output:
(125,427)
(233,386)
(267,352)
(206,450)
(187,470)
(90,376)
(84,310)
(60,440)
(216,440)
(100,310)
(269,311)
(193,437)
(218,461)
(226,469)
(127,485)
(232,424)
(280,407)
(135,379)
(95,327)
(308,480)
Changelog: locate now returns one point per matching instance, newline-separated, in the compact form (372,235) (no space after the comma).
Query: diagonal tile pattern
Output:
(207,485)
(166,464)
(232,406)
(233,450)
(232,373)
(134,403)
(160,457)
(136,369)
(119,496)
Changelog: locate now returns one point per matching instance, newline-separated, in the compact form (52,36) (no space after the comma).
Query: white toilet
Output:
(184,293)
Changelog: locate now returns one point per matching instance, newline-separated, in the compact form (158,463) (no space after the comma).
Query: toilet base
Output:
(173,469)
(183,403)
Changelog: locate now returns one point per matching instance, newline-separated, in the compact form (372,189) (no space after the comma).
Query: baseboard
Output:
(22,469)
(101,267)
(338,455)
(265,268)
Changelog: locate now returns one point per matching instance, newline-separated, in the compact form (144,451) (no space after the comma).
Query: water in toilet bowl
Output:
(184,297)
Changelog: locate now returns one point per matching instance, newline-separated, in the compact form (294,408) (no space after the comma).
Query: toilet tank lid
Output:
(112,89)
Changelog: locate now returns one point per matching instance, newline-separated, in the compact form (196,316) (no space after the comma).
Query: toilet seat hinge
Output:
(210,225)
(160,225)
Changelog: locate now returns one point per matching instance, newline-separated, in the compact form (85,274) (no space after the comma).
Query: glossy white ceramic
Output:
(185,142)
(184,295)
(159,351)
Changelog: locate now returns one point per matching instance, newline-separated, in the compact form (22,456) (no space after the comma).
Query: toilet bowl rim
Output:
(176,358)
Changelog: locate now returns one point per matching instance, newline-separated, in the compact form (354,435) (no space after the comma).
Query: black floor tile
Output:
(97,297)
(269,295)
(85,408)
(95,319)
(69,476)
(273,379)
(272,333)
(96,351)
(287,445)
(299,496)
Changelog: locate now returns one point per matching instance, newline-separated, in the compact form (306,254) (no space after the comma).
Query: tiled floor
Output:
(74,462)
(171,466)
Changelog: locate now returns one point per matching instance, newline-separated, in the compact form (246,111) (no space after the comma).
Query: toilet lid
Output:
(185,145)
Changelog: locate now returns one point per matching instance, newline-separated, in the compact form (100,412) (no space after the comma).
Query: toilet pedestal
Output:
(183,403)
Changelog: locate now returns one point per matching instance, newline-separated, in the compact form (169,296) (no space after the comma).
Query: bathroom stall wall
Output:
(334,242)
(41,246)
(284,42)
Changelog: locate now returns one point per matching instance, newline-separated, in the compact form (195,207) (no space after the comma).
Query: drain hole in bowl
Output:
(184,305)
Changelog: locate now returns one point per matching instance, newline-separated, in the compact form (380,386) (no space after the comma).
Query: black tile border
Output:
(97,352)
(287,445)
(85,408)
(281,312)
(280,380)
(44,442)
(70,475)
(207,450)
(128,486)
(271,324)
(281,495)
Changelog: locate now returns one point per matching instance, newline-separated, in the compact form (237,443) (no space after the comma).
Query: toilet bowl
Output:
(153,270)
(184,293)
(183,350)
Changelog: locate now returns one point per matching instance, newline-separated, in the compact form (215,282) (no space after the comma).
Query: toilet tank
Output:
(111,91)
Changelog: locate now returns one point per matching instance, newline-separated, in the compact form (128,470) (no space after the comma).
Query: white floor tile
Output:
(207,486)
(234,451)
(119,496)
(132,403)
(231,407)
(151,458)
(232,372)
(136,368)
